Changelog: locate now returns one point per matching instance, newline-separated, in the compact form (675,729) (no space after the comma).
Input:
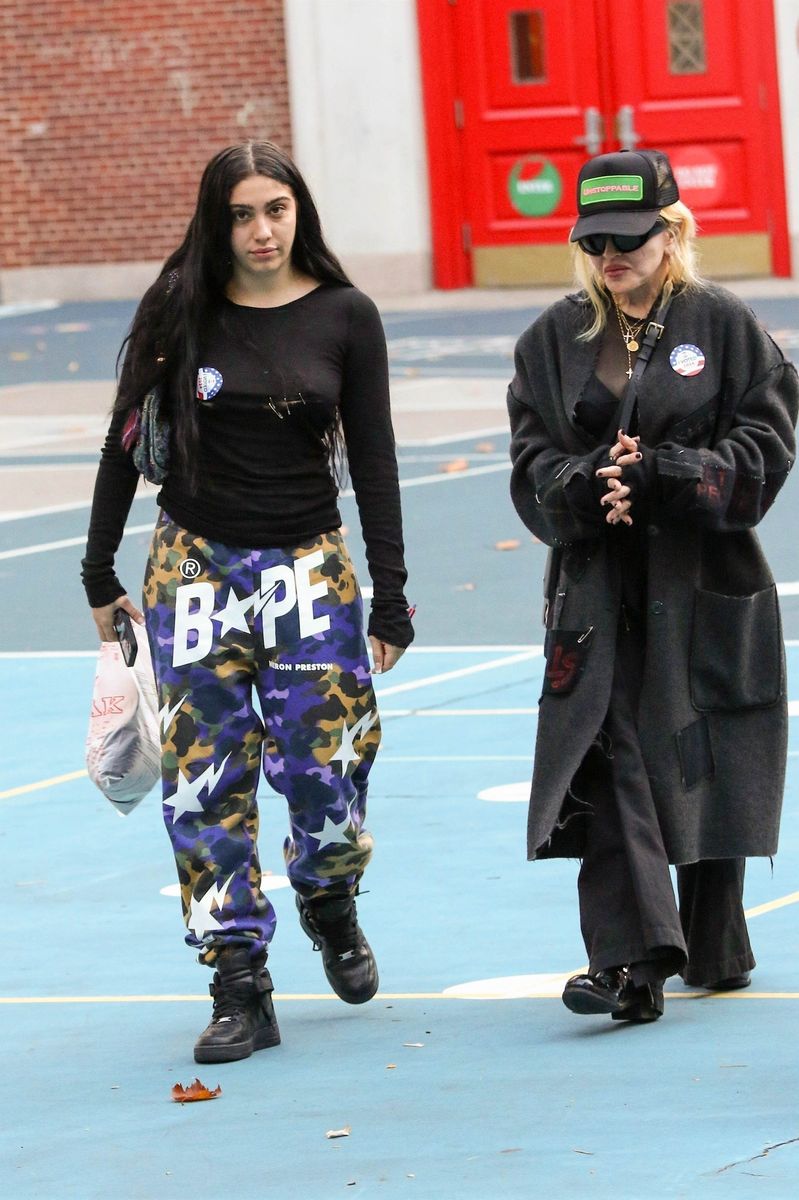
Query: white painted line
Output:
(444,477)
(22,309)
(445,439)
(48,654)
(448,476)
(458,712)
(458,674)
(772,905)
(53,509)
(48,463)
(64,543)
(494,648)
(531,651)
(788,589)
(448,758)
(490,456)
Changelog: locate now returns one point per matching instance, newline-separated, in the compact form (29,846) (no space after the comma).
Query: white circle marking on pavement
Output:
(269,883)
(506,793)
(512,987)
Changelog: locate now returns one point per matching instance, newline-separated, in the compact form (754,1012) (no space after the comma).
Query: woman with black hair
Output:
(268,365)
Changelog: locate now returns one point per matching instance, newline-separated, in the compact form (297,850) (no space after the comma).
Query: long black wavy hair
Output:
(163,344)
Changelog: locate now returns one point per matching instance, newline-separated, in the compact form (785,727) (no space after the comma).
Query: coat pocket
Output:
(566,652)
(736,651)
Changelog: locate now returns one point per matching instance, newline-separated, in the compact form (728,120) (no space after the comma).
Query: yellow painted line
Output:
(793,898)
(167,999)
(43,783)
(287,996)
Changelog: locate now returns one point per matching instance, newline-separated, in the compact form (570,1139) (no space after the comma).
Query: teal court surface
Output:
(465,1076)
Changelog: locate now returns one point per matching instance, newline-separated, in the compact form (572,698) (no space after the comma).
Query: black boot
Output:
(243,1019)
(332,925)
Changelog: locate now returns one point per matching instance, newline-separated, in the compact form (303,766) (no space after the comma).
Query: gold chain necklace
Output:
(629,332)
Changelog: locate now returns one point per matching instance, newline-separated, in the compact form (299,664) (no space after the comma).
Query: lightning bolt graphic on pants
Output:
(260,601)
(346,752)
(200,920)
(187,795)
(166,714)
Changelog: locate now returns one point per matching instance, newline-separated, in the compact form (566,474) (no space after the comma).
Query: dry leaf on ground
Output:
(454,464)
(334,1133)
(195,1091)
(508,544)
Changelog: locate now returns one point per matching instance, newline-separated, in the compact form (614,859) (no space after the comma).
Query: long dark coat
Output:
(717,445)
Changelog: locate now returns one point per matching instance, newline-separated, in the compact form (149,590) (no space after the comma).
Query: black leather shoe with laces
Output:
(599,992)
(243,1018)
(332,925)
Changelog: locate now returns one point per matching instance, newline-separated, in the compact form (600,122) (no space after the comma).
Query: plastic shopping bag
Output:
(123,749)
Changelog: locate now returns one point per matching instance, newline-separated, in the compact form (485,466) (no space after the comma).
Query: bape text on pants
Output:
(288,624)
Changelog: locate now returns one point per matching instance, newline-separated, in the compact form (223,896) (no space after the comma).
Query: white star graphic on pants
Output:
(346,752)
(332,835)
(200,921)
(187,794)
(232,616)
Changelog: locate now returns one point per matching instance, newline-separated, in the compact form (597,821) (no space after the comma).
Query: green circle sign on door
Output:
(535,186)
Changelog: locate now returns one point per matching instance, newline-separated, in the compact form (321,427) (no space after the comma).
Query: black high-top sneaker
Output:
(243,1018)
(332,925)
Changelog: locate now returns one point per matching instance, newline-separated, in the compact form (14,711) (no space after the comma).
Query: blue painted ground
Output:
(497,1098)
(445,1097)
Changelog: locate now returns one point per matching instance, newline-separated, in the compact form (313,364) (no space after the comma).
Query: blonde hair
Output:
(682,267)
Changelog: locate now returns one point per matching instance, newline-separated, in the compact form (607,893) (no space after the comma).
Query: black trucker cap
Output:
(623,192)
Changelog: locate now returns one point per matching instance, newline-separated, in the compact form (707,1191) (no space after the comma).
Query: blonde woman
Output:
(662,728)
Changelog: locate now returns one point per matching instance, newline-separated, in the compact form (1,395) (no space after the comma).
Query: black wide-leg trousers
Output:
(628,912)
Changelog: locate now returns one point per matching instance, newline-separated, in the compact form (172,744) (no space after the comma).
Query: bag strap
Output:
(654,331)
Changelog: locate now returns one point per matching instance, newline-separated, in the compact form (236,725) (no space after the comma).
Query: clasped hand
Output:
(618,497)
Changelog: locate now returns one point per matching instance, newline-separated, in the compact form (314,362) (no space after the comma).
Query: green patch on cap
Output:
(611,188)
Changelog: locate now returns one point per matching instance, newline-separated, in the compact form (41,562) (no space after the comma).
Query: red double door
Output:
(519,92)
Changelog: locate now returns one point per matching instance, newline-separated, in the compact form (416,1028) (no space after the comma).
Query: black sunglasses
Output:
(594,243)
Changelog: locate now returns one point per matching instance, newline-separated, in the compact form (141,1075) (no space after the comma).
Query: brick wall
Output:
(109,110)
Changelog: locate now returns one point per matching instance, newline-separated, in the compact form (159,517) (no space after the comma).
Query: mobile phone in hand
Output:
(123,628)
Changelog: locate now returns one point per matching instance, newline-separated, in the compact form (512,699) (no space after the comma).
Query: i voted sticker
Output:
(687,360)
(209,381)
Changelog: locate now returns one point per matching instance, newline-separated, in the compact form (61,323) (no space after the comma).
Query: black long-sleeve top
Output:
(270,385)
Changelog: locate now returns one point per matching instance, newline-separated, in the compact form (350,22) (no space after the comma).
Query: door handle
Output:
(594,134)
(626,133)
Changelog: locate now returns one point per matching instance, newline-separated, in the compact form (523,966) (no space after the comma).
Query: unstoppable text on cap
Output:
(611,187)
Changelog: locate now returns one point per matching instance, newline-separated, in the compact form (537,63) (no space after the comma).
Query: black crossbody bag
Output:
(624,416)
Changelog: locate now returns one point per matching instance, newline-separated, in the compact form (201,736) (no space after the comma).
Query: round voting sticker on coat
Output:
(687,359)
(209,381)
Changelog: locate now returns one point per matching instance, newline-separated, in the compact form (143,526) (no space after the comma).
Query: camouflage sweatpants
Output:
(221,622)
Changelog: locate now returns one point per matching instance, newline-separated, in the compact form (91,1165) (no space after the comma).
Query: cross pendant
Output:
(629,372)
